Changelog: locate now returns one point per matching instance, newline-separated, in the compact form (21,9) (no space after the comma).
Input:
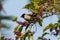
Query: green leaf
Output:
(28,6)
(40,21)
(58,20)
(44,34)
(49,9)
(14,18)
(16,28)
(20,28)
(51,25)
(51,29)
(26,32)
(46,28)
(42,1)
(29,35)
(57,7)
(32,37)
(40,38)
(58,25)
(2,38)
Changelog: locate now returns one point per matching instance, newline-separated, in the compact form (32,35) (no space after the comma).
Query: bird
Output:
(29,17)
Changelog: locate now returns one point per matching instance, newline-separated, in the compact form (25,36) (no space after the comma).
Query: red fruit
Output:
(23,23)
(18,33)
(19,22)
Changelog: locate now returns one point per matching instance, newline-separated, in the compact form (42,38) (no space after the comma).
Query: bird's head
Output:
(23,15)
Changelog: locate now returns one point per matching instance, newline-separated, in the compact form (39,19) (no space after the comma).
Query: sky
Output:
(15,8)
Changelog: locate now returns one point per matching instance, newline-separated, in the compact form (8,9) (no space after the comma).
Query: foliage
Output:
(39,8)
(55,26)
(42,37)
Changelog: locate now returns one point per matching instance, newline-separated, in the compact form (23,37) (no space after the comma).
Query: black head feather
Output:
(23,15)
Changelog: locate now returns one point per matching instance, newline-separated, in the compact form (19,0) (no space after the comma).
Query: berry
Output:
(18,33)
(23,23)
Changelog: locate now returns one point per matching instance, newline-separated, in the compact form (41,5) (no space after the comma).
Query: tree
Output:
(39,8)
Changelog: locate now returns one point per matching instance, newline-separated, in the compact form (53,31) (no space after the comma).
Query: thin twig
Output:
(50,15)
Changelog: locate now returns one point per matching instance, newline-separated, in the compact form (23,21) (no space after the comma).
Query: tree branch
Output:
(50,15)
